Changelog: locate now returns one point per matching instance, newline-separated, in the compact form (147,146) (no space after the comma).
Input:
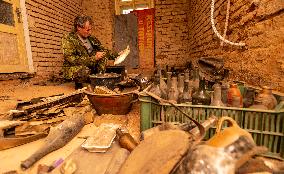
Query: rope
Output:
(227,21)
(215,30)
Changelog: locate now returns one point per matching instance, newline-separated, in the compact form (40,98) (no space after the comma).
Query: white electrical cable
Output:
(215,30)
(227,21)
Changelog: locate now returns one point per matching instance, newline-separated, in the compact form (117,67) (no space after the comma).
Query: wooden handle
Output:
(222,119)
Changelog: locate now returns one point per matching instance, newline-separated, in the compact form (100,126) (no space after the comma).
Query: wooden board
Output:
(90,162)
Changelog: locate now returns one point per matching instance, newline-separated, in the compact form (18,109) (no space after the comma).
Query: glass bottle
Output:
(174,72)
(201,96)
(180,84)
(173,92)
(234,92)
(195,80)
(126,140)
(217,100)
(125,75)
(186,75)
(249,96)
(267,98)
(224,91)
(155,89)
(163,85)
(185,96)
(169,77)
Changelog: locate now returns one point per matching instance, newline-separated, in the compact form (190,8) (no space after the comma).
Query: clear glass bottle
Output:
(163,85)
(173,92)
(201,96)
(185,96)
(217,98)
(180,84)
(186,75)
(155,89)
(169,78)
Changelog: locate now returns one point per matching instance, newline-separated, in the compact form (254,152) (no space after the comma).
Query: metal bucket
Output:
(107,79)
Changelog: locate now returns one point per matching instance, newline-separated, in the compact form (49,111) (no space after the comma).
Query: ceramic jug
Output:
(258,105)
(267,98)
(234,93)
(228,135)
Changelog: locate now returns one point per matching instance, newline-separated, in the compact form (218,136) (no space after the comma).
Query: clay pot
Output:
(258,105)
(233,95)
(267,98)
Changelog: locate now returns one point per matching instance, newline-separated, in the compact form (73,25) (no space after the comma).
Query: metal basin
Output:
(107,79)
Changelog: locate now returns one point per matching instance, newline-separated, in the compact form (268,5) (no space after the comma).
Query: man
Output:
(83,54)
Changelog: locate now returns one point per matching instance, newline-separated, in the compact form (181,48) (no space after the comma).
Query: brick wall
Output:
(102,12)
(259,24)
(172,38)
(183,33)
(48,21)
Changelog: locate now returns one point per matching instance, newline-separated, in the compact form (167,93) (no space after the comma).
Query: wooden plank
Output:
(88,162)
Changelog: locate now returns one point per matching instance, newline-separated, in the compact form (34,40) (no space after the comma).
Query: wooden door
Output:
(13,56)
(125,33)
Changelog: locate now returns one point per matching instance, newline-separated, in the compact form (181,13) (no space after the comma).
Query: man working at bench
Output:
(83,53)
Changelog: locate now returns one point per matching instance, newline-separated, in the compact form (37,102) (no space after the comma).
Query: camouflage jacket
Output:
(76,55)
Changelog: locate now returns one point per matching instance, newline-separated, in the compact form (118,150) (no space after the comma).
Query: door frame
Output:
(21,30)
(27,35)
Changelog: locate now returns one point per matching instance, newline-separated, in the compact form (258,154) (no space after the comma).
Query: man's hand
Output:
(99,55)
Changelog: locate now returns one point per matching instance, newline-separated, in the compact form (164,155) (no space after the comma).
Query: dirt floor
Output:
(11,92)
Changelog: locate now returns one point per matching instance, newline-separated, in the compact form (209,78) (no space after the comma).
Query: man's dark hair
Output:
(81,20)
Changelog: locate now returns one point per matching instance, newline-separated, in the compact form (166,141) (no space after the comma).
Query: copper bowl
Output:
(116,104)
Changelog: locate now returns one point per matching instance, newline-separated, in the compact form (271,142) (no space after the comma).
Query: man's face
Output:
(85,31)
